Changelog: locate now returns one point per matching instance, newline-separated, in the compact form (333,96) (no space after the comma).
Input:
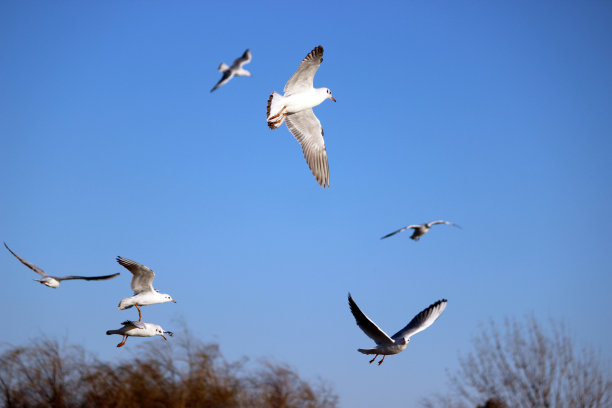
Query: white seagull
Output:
(296,108)
(420,229)
(235,70)
(139,329)
(142,285)
(54,281)
(386,345)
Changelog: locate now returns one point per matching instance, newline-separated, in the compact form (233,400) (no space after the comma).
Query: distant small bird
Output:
(142,285)
(386,345)
(420,230)
(235,70)
(139,329)
(296,108)
(54,281)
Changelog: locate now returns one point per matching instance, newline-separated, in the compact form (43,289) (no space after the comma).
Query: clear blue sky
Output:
(494,115)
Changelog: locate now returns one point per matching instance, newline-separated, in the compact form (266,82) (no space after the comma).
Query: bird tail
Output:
(368,351)
(223,67)
(123,306)
(275,113)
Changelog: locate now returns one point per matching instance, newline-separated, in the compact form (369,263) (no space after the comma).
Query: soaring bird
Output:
(142,285)
(420,229)
(295,107)
(386,345)
(139,329)
(235,70)
(54,281)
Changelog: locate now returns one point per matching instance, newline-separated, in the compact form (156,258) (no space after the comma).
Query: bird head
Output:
(329,94)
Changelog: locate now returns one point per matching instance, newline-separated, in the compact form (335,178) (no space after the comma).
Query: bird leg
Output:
(372,360)
(383,359)
(123,340)
(279,113)
(139,314)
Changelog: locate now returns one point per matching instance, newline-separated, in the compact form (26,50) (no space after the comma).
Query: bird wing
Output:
(131,323)
(307,129)
(62,278)
(303,77)
(142,281)
(227,75)
(400,230)
(368,326)
(421,321)
(244,59)
(26,263)
(442,222)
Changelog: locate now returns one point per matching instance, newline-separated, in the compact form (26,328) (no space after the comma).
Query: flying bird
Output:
(54,281)
(235,70)
(139,329)
(386,345)
(295,107)
(420,230)
(142,285)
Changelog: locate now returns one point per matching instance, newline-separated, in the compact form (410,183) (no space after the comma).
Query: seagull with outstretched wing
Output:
(420,229)
(142,285)
(295,107)
(234,70)
(395,344)
(54,281)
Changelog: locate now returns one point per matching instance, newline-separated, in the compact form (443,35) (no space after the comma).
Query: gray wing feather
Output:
(368,326)
(244,59)
(307,129)
(26,263)
(131,323)
(422,321)
(227,75)
(142,279)
(304,76)
(399,230)
(442,222)
(103,277)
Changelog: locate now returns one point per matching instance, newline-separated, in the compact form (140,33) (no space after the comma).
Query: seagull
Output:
(420,230)
(235,70)
(142,285)
(139,329)
(386,345)
(296,108)
(54,281)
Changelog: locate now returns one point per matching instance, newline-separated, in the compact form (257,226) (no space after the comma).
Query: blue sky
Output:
(494,115)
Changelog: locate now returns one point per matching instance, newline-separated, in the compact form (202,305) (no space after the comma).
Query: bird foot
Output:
(372,360)
(122,341)
(381,361)
(278,114)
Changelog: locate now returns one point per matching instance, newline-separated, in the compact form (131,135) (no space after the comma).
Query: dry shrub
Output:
(187,373)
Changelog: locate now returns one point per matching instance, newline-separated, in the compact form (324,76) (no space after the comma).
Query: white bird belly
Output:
(137,332)
(301,101)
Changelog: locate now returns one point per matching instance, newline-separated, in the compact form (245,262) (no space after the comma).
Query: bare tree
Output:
(527,367)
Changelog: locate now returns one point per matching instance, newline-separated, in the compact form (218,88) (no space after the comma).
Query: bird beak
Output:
(333,99)
(164,337)
(173,301)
